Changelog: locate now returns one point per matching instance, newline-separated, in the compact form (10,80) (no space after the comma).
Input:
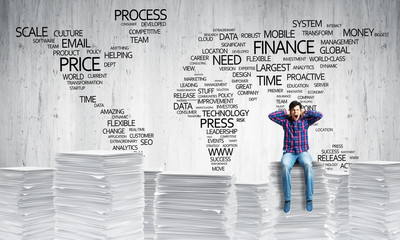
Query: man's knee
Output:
(308,167)
(285,166)
(305,160)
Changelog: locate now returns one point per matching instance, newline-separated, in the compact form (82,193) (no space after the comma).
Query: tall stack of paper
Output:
(299,223)
(194,206)
(374,200)
(338,218)
(26,203)
(99,195)
(254,214)
(149,190)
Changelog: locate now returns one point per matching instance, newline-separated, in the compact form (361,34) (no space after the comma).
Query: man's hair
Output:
(294,104)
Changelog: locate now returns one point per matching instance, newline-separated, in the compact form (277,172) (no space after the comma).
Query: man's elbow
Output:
(271,116)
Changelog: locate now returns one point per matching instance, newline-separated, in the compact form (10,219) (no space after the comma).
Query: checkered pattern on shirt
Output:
(296,132)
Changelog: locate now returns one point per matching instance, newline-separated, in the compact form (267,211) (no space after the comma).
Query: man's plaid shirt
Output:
(296,132)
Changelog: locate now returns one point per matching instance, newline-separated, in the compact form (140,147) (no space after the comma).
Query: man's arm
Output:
(279,116)
(312,116)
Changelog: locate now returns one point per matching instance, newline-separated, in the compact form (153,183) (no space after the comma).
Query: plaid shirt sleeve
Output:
(312,116)
(279,117)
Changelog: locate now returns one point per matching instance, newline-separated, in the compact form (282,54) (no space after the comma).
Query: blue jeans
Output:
(287,162)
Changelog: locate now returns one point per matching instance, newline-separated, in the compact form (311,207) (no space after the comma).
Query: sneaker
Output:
(309,205)
(286,207)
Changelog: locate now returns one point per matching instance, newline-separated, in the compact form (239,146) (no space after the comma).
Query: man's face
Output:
(295,113)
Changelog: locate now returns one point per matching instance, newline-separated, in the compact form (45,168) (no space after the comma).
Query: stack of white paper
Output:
(374,200)
(149,190)
(194,206)
(99,195)
(26,203)
(338,219)
(254,214)
(299,223)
